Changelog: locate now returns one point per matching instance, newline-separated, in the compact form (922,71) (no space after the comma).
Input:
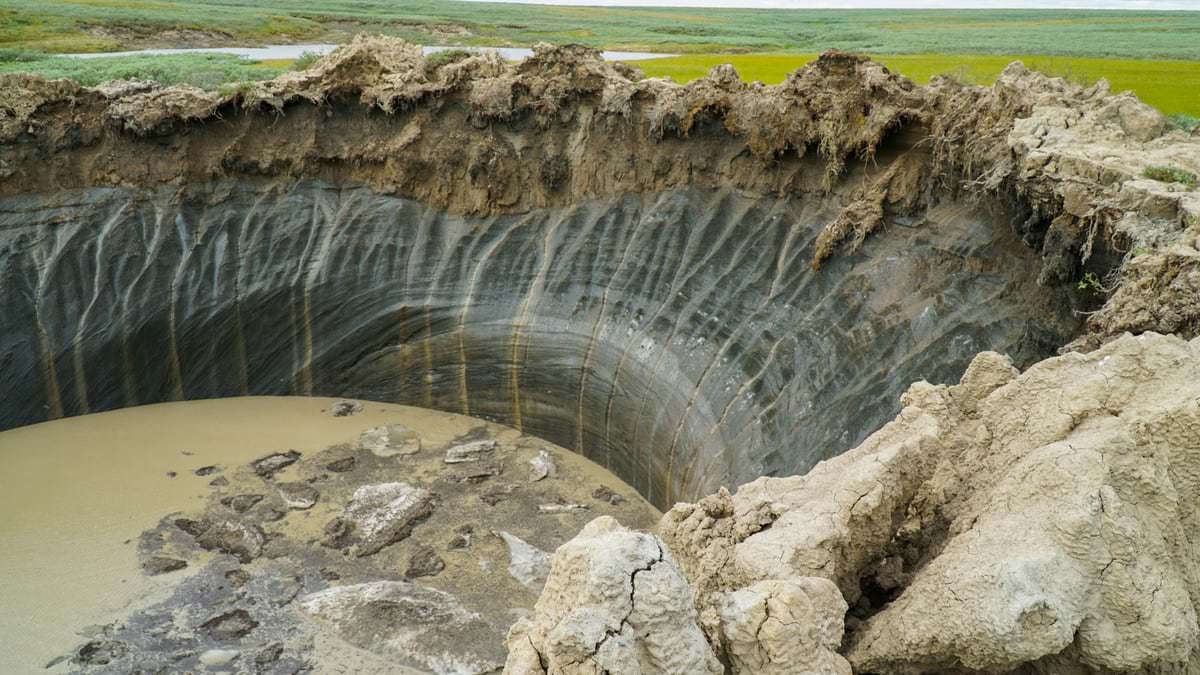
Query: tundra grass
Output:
(207,71)
(1171,174)
(1171,86)
(110,25)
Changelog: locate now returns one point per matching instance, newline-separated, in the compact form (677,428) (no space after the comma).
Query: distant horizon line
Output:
(852,5)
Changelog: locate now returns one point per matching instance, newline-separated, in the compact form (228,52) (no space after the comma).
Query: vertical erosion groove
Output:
(679,338)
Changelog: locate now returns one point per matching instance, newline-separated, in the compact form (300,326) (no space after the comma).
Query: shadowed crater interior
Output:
(680,338)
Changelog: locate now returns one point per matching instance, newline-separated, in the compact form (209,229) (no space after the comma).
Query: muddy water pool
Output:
(77,493)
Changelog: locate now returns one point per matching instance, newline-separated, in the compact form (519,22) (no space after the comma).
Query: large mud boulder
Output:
(614,602)
(1069,506)
(785,627)
(379,516)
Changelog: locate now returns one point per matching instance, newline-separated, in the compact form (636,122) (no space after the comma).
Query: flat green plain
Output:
(109,25)
(207,71)
(1171,86)
(1156,54)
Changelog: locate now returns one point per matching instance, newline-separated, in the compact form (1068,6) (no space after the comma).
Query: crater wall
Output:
(695,285)
(680,338)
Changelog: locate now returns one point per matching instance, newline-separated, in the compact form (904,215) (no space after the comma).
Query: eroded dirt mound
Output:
(1041,522)
(1157,289)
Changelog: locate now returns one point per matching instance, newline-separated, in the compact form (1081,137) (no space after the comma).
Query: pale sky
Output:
(885,4)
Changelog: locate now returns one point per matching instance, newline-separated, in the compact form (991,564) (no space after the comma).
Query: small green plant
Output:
(1066,71)
(446,56)
(232,88)
(1170,174)
(1185,122)
(960,74)
(19,56)
(1090,282)
(305,60)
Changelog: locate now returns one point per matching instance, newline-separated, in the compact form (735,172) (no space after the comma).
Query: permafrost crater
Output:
(698,286)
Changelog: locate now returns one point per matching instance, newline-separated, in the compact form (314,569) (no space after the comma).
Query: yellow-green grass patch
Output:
(1171,86)
(276,64)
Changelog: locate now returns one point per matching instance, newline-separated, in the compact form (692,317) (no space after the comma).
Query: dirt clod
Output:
(162,565)
(272,464)
(425,563)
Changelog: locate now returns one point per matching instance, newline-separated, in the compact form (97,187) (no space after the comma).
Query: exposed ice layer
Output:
(681,339)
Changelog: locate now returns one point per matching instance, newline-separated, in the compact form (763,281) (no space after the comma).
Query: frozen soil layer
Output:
(396,553)
(480,135)
(681,339)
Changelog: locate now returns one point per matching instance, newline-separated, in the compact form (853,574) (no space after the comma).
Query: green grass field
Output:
(207,71)
(1171,86)
(1156,54)
(109,25)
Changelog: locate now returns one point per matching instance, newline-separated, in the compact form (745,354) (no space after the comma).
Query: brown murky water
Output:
(76,493)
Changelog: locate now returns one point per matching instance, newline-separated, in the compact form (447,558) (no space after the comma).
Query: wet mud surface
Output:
(393,552)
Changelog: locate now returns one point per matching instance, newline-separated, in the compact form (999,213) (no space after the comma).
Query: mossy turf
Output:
(1171,174)
(207,71)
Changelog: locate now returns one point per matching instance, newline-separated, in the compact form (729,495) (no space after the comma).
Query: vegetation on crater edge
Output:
(207,71)
(1170,174)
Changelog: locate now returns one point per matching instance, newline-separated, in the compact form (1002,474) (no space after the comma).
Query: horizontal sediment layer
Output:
(681,339)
